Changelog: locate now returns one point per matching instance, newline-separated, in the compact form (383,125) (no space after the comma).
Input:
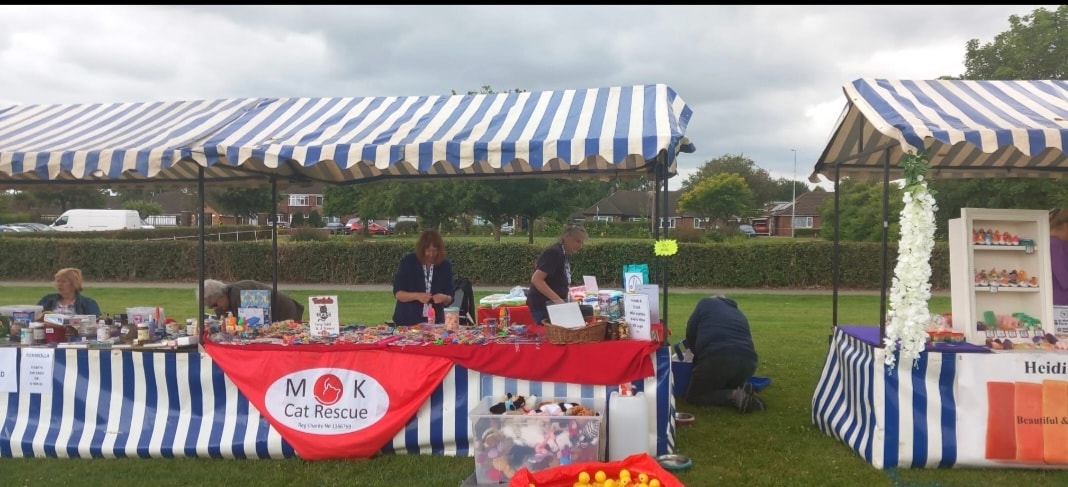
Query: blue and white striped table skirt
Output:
(110,403)
(902,417)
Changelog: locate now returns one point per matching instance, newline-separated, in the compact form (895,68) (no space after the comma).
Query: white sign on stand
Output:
(590,283)
(37,370)
(8,370)
(636,310)
(634,281)
(323,318)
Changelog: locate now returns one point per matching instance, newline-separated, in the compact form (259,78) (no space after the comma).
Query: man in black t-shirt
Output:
(552,272)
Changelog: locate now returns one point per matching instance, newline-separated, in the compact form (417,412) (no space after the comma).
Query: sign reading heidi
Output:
(327,401)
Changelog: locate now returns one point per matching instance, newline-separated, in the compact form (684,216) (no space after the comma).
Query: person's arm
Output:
(89,306)
(402,281)
(443,276)
(538,281)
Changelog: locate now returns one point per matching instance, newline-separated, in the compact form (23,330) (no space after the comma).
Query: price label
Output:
(993,289)
(1030,249)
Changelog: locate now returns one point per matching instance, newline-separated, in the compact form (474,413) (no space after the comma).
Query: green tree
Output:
(315,220)
(763,187)
(246,202)
(861,212)
(145,208)
(80,197)
(718,197)
(297,220)
(1034,47)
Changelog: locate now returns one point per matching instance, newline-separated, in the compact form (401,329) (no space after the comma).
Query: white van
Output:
(89,220)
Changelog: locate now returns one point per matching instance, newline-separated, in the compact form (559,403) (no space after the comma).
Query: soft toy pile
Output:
(536,435)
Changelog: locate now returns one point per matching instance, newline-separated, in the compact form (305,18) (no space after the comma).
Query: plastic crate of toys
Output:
(516,432)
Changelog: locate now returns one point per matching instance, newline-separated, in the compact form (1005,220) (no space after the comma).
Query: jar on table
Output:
(143,332)
(38,330)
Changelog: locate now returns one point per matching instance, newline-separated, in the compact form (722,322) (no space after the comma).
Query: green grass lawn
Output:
(779,447)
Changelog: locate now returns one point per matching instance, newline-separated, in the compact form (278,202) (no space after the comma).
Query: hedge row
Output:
(796,264)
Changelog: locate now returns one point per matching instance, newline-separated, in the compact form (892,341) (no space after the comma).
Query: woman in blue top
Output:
(423,280)
(69,300)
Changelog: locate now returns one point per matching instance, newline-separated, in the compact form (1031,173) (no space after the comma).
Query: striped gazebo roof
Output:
(968,128)
(602,131)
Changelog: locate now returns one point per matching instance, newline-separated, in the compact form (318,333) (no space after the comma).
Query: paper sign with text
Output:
(8,372)
(653,292)
(636,310)
(36,374)
(323,319)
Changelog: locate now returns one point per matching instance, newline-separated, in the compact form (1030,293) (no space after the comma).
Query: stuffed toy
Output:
(511,403)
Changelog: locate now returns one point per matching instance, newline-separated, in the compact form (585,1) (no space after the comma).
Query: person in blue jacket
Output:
(724,356)
(69,300)
(423,281)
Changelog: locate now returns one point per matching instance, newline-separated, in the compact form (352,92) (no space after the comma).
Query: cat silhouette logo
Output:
(328,389)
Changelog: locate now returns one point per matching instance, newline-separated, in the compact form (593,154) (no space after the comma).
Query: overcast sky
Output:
(761,80)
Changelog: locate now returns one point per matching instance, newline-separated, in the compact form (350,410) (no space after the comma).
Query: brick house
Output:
(806,215)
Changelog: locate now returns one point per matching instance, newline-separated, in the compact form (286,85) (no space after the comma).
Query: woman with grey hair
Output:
(223,298)
(552,272)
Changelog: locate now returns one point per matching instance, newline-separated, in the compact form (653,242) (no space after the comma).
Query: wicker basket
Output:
(587,334)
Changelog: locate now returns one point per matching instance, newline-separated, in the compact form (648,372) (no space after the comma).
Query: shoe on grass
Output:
(747,402)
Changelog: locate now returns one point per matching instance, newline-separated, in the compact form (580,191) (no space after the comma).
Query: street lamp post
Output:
(793,201)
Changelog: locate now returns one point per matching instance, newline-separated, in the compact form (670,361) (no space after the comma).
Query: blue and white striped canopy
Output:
(969,128)
(600,131)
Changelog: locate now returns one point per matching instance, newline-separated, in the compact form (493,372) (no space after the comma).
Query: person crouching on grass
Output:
(724,357)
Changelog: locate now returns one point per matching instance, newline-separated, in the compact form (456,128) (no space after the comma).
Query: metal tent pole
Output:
(202,265)
(274,234)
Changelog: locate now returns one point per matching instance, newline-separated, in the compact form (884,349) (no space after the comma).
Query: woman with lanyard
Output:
(423,282)
(552,273)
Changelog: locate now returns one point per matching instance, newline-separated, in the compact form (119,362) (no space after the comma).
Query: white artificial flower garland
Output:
(910,290)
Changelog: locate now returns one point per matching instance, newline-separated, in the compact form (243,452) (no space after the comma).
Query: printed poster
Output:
(1014,414)
(252,300)
(323,320)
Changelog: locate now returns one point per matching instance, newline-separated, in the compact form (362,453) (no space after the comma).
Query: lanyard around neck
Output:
(428,274)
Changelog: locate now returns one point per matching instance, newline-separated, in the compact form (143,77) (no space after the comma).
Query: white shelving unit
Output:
(974,294)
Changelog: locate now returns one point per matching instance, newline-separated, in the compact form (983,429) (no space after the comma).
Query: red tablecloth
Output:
(617,361)
(516,314)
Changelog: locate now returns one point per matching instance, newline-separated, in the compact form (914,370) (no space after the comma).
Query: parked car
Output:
(507,229)
(334,227)
(356,226)
(761,227)
(35,227)
(747,230)
(14,228)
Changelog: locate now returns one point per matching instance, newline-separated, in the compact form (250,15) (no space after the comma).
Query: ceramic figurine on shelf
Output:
(977,236)
(1016,240)
(997,237)
(1033,281)
(1021,278)
(1013,276)
(988,238)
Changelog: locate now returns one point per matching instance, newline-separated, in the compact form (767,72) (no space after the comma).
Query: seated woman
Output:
(69,300)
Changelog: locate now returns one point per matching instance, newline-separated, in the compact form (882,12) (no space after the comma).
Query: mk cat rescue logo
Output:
(327,401)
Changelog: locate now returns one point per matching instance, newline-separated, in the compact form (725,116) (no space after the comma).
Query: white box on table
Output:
(504,443)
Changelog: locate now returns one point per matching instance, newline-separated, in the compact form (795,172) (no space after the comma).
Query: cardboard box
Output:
(504,443)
